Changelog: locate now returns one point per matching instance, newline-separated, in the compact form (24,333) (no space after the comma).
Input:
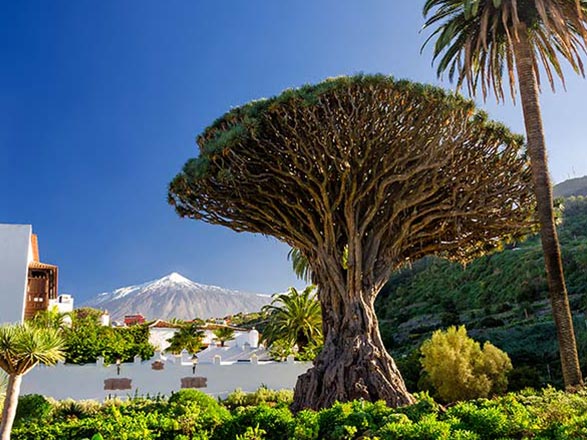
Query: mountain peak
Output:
(175,277)
(175,296)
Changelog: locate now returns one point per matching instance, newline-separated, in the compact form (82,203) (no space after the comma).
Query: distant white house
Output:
(26,285)
(160,331)
(63,303)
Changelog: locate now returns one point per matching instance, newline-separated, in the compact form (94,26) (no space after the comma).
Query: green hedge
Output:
(189,414)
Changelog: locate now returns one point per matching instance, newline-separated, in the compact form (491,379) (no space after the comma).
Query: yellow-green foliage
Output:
(460,369)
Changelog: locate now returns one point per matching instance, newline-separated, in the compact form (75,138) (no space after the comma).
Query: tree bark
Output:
(353,363)
(10,404)
(561,311)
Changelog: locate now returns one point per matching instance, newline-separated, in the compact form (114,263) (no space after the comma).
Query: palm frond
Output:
(300,264)
(474,39)
(22,347)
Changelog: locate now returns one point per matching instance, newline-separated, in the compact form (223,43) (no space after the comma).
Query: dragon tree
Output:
(362,174)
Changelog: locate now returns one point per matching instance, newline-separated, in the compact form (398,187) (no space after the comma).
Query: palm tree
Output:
(51,318)
(22,347)
(294,318)
(224,334)
(476,40)
(188,337)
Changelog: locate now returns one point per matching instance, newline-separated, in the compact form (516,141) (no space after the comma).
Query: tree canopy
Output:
(87,339)
(290,166)
(360,174)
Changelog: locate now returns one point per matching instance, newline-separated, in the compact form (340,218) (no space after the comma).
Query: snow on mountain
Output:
(175,296)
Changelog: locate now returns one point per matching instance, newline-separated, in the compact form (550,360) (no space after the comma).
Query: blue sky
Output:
(100,102)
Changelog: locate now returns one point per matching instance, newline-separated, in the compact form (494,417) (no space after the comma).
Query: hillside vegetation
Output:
(502,298)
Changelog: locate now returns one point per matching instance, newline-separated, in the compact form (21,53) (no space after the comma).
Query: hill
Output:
(571,187)
(175,296)
(501,297)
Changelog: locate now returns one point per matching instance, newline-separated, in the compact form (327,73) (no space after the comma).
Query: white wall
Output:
(158,337)
(87,381)
(15,251)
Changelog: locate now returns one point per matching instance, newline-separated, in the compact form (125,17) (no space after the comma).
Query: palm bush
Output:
(294,322)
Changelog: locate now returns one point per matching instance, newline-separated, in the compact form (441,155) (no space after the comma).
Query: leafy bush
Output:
(424,405)
(460,370)
(196,412)
(32,408)
(262,395)
(191,415)
(523,377)
(428,428)
(347,420)
(86,340)
(71,409)
(307,426)
(277,423)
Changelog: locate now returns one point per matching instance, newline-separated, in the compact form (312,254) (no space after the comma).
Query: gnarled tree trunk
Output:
(353,363)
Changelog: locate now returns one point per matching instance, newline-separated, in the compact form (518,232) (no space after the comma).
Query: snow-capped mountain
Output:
(175,296)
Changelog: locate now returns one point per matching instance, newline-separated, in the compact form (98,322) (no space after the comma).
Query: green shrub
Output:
(460,370)
(424,405)
(280,398)
(277,423)
(196,412)
(251,433)
(307,425)
(523,377)
(192,415)
(428,428)
(352,419)
(32,408)
(71,409)
(488,423)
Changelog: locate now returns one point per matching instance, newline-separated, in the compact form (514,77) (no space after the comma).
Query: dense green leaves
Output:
(86,340)
(460,369)
(191,415)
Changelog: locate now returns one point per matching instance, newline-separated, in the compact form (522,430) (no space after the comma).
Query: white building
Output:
(26,284)
(63,303)
(15,255)
(160,331)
